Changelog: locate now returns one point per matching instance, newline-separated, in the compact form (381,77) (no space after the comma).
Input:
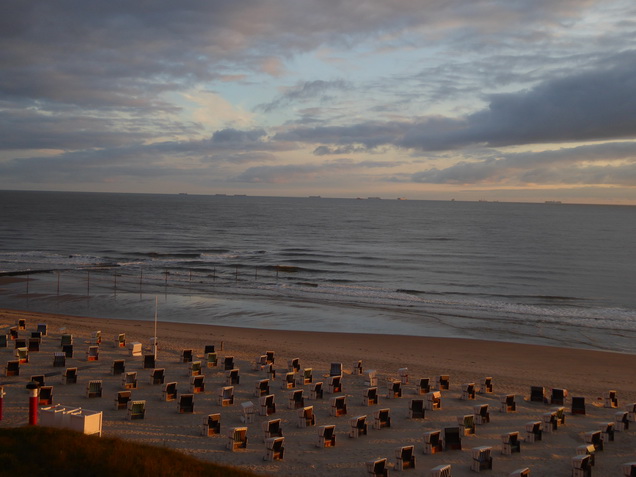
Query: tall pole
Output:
(155,343)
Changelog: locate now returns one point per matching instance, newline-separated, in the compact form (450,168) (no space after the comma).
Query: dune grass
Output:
(58,452)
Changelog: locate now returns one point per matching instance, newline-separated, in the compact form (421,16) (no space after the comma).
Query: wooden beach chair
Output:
(4,340)
(69,376)
(507,403)
(149,361)
(371,378)
(316,392)
(587,449)
(12,368)
(578,405)
(394,389)
(482,416)
(293,365)
(482,459)
(486,385)
(326,436)
(404,458)
(443,470)
(433,400)
(358,426)
(621,421)
(338,406)
(443,382)
(550,423)
(260,363)
(270,357)
(533,431)
(467,424)
(228,363)
(232,377)
(226,396)
(537,394)
(68,350)
(66,339)
(21,323)
(510,443)
(335,384)
(558,396)
(136,410)
(120,340)
(38,379)
(119,367)
(382,418)
(197,384)
(274,448)
(211,425)
(423,386)
(45,396)
(129,380)
(595,438)
(417,409)
(403,373)
(433,442)
(94,389)
(289,381)
(135,349)
(272,428)
(378,467)
(169,392)
(157,376)
(611,399)
(33,345)
(306,417)
(468,391)
(22,354)
(356,369)
(629,469)
(43,329)
(211,360)
(248,412)
(581,466)
(452,438)
(335,370)
(297,400)
(186,355)
(194,369)
(261,388)
(121,400)
(370,397)
(306,377)
(237,438)
(185,404)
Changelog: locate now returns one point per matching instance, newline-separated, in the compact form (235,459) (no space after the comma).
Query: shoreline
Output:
(514,368)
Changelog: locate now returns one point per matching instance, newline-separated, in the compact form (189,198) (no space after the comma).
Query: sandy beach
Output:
(514,369)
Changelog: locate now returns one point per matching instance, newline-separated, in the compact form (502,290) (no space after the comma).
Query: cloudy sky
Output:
(525,100)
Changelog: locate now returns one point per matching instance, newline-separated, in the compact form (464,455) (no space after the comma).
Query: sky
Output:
(510,100)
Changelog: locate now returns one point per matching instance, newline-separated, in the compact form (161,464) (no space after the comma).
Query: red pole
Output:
(33,404)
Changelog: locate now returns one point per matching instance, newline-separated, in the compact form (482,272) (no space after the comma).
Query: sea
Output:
(542,273)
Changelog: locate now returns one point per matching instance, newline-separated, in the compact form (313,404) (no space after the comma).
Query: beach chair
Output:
(485,386)
(382,418)
(595,438)
(338,406)
(289,381)
(335,384)
(120,340)
(271,372)
(482,459)
(186,355)
(96,337)
(232,377)
(467,424)
(537,394)
(611,400)
(316,391)
(621,419)
(43,329)
(261,363)
(378,467)
(558,396)
(631,411)
(136,410)
(210,349)
(510,443)
(443,470)
(629,469)
(118,367)
(197,384)
(417,409)
(423,386)
(433,400)
(306,416)
(33,345)
(578,405)
(358,426)
(94,389)
(560,415)
(169,392)
(587,449)
(69,376)
(211,360)
(68,350)
(122,399)
(66,339)
(394,390)
(211,425)
(135,349)
(433,442)
(38,379)
(129,380)
(272,428)
(149,361)
(296,399)
(468,391)
(533,431)
(370,397)
(507,403)
(306,377)
(237,438)
(274,448)
(261,388)
(226,396)
(194,369)
(581,466)
(270,357)
(550,424)
(371,378)
(326,436)
(356,369)
(403,373)
(335,369)
(4,340)
(19,343)
(22,354)
(404,458)
(185,404)
(293,365)
(157,376)
(607,432)
(228,363)
(13,333)
(452,438)
(523,472)
(45,396)
(12,368)
(248,411)
(442,382)
(21,323)
(482,416)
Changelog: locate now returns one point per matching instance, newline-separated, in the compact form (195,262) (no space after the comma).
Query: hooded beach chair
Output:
(270,357)
(186,355)
(486,385)
(423,386)
(121,399)
(523,472)
(306,377)
(433,442)
(306,416)
(12,368)
(326,436)
(232,377)
(13,333)
(370,397)
(371,378)
(19,343)
(267,405)
(226,396)
(296,399)
(468,391)
(38,379)
(237,438)
(157,376)
(136,410)
(537,394)
(45,396)
(118,367)
(261,388)
(587,449)
(482,459)
(4,340)
(94,389)
(358,426)
(611,400)
(316,391)
(629,469)
(197,384)
(443,470)
(404,458)
(507,403)
(403,373)
(443,382)
(560,415)
(135,349)
(336,369)
(582,466)
(149,361)
(69,376)
(452,438)
(595,438)
(510,443)
(21,323)
(33,344)
(211,360)
(558,396)
(482,416)
(356,369)
(433,400)
(120,340)
(185,404)
(338,406)
(289,381)
(272,428)
(129,380)
(210,349)
(550,423)
(228,363)
(417,409)
(533,431)
(211,425)
(378,467)
(194,369)
(248,412)
(335,384)
(578,405)
(22,354)
(293,365)
(68,350)
(382,418)
(96,337)
(467,424)
(274,449)
(169,392)
(261,363)
(607,432)
(394,390)
(43,329)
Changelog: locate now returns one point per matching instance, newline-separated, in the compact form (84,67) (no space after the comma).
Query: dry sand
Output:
(513,367)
